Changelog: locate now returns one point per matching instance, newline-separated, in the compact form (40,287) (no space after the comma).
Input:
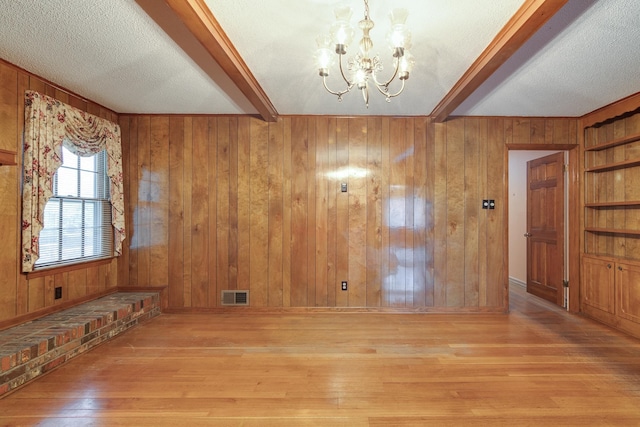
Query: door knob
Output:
(527,234)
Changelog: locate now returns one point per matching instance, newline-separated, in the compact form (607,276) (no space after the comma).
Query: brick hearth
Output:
(34,348)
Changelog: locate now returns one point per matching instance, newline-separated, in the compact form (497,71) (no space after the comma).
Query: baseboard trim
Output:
(517,282)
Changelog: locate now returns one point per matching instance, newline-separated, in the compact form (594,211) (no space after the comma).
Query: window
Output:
(77,219)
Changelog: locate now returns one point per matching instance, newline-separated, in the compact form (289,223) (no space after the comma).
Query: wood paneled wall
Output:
(236,203)
(19,296)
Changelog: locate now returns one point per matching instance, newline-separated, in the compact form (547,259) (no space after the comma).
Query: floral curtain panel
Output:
(50,124)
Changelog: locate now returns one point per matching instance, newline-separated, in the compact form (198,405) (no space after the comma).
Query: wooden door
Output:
(545,227)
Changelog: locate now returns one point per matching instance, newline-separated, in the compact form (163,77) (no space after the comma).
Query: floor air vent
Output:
(235,297)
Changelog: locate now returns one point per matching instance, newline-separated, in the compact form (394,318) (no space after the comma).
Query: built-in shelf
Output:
(612,230)
(605,205)
(611,261)
(614,143)
(7,158)
(614,166)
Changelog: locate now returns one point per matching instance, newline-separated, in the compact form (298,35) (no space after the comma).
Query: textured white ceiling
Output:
(447,37)
(113,52)
(109,51)
(585,57)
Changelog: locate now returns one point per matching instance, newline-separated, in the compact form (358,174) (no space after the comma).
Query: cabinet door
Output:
(628,284)
(598,283)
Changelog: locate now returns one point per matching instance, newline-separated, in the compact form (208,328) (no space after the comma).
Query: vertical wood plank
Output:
(508,130)
(420,242)
(409,226)
(440,215)
(357,199)
(397,215)
(144,200)
(321,213)
(215,283)
(244,202)
(484,163)
(10,103)
(176,212)
(521,131)
(497,288)
(430,206)
(455,225)
(159,202)
(276,221)
(133,209)
(299,205)
(36,292)
(233,203)
(548,131)
(374,213)
(286,214)
(537,130)
(311,213)
(385,196)
(95,280)
(187,185)
(472,201)
(561,131)
(200,214)
(342,211)
(260,213)
(222,205)
(333,184)
(76,284)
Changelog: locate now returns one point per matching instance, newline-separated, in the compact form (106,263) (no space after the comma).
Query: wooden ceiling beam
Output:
(532,15)
(200,21)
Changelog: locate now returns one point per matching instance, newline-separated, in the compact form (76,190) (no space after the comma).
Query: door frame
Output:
(573,217)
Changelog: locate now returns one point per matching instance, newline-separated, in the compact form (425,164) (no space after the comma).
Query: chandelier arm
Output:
(390,95)
(350,84)
(388,82)
(333,92)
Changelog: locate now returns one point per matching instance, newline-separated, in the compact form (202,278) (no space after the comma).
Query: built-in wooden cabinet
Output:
(598,290)
(627,284)
(610,282)
(611,286)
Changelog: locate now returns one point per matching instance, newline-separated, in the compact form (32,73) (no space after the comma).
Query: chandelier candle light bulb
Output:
(364,67)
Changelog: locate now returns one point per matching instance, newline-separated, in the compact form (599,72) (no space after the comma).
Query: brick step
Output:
(34,348)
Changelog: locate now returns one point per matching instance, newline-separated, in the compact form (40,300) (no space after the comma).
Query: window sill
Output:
(65,268)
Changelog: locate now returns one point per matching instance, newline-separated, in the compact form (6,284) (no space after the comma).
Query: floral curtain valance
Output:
(50,124)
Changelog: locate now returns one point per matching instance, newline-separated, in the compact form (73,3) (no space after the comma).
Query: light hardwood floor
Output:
(536,366)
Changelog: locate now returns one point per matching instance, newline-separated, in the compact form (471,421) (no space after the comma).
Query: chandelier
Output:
(363,68)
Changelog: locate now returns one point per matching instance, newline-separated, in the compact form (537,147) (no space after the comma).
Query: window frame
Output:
(101,194)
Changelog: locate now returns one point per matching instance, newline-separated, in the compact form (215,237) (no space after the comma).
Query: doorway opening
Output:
(519,266)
